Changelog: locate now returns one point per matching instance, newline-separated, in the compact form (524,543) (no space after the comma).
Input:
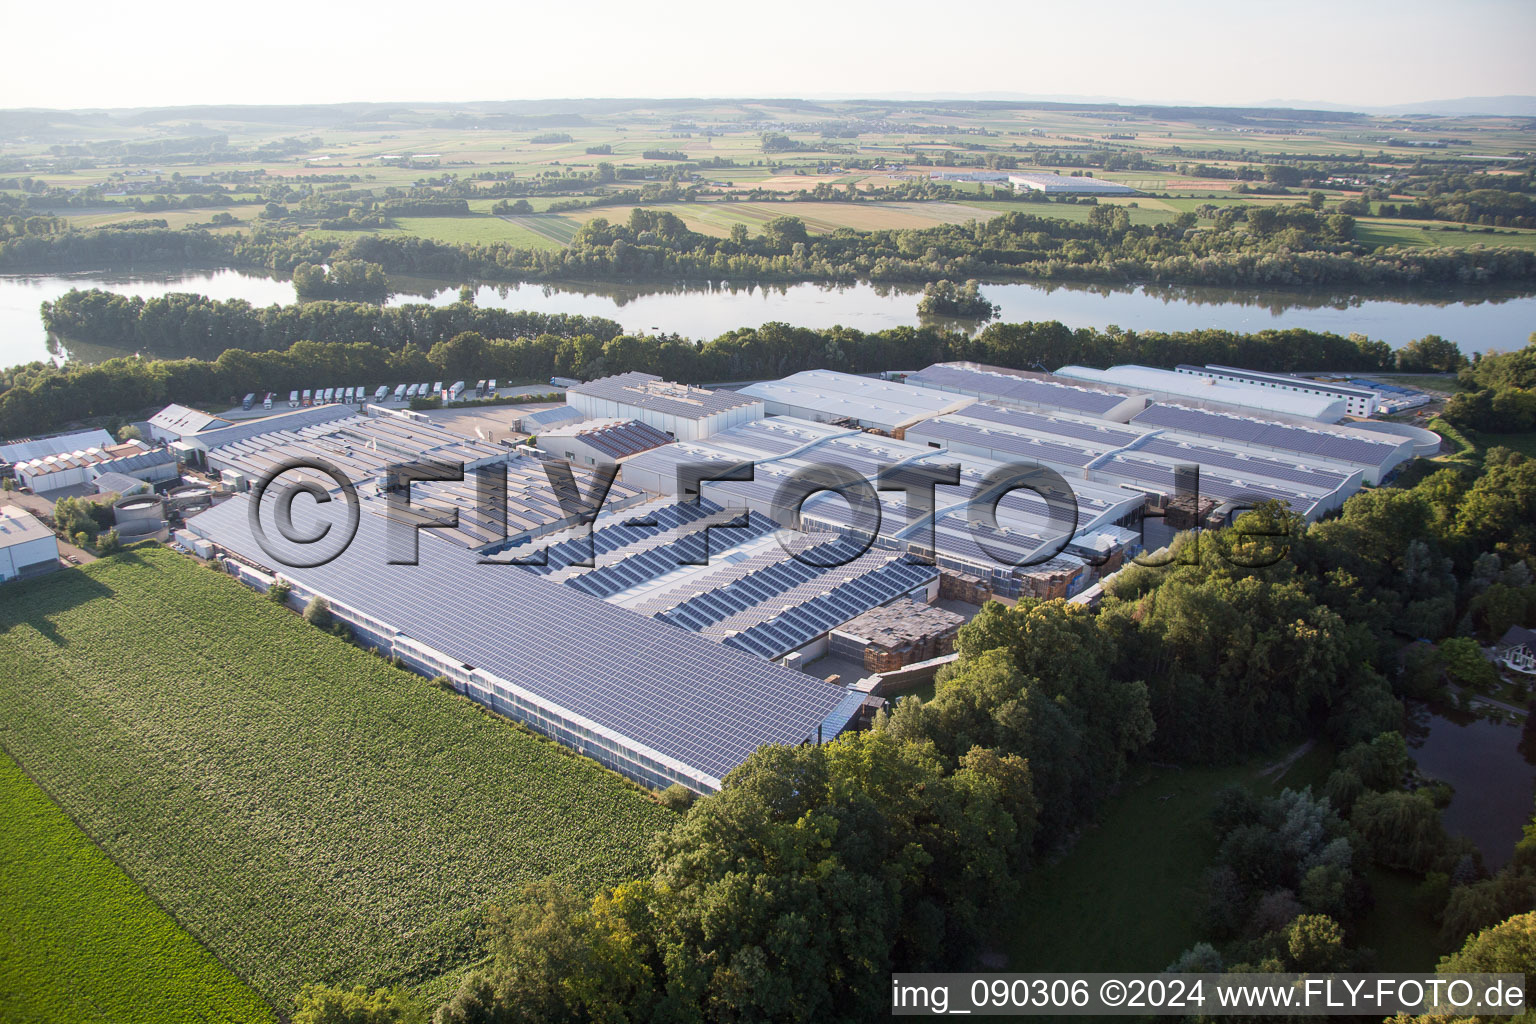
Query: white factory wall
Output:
(682,428)
(26,555)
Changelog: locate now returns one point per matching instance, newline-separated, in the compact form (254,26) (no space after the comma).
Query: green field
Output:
(1127,895)
(80,942)
(1430,233)
(306,811)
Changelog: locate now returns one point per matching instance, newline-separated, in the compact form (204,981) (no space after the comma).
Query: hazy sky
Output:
(1362,52)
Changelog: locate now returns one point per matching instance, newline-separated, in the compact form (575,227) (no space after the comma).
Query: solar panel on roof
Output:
(678,694)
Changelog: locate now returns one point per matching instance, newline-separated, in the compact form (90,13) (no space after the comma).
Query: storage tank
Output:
(138,514)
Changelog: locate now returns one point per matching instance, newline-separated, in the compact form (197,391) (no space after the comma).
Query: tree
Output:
(1315,943)
(318,612)
(129,432)
(1465,664)
(321,1004)
(1430,354)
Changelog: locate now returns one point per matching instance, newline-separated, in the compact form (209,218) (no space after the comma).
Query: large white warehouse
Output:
(680,410)
(1208,391)
(27,547)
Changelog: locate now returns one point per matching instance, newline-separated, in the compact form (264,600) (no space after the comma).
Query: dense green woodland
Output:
(262,351)
(1271,246)
(817,870)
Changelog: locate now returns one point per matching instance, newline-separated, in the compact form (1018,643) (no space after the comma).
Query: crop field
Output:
(305,810)
(79,941)
(1431,233)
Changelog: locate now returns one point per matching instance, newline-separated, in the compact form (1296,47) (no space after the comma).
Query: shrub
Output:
(318,612)
(676,797)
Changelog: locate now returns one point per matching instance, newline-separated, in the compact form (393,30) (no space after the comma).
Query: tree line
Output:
(1291,248)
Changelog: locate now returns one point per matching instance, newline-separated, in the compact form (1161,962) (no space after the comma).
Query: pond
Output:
(1493,773)
(1479,321)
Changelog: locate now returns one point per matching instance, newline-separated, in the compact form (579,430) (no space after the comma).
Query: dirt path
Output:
(1280,767)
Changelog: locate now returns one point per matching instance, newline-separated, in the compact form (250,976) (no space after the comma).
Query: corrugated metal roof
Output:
(37,448)
(648,391)
(698,702)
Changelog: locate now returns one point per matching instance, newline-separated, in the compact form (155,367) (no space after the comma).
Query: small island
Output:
(964,302)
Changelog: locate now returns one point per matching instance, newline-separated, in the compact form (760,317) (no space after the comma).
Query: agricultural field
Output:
(308,812)
(79,941)
(1430,233)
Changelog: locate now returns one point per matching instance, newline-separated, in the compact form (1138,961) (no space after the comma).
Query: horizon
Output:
(1345,57)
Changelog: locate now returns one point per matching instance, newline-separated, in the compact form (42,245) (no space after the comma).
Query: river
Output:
(1493,776)
(1485,321)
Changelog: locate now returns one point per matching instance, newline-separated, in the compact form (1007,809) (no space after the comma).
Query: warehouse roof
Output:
(558,416)
(1209,389)
(648,391)
(27,449)
(699,703)
(180,419)
(1331,443)
(293,420)
(849,396)
(1070,183)
(17,526)
(621,439)
(1014,386)
(1262,378)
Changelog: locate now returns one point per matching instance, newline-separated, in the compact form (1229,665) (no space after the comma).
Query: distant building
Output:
(1208,391)
(27,449)
(549,419)
(599,443)
(1358,401)
(177,421)
(27,547)
(679,410)
(81,468)
(1063,184)
(1517,649)
(847,399)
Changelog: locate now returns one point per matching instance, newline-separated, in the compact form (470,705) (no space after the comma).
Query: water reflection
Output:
(1480,321)
(1490,765)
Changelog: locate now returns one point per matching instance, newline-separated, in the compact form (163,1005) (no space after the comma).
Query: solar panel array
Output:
(1214,457)
(618,440)
(618,533)
(1103,434)
(805,622)
(1010,388)
(1008,442)
(753,589)
(1211,485)
(646,565)
(1270,435)
(681,695)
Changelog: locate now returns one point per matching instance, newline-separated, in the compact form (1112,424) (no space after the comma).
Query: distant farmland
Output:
(307,811)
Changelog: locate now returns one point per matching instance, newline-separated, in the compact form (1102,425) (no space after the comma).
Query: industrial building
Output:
(81,468)
(28,449)
(1170,385)
(27,547)
(177,421)
(678,410)
(548,419)
(654,702)
(826,396)
(1357,401)
(1069,184)
(1022,389)
(1098,527)
(366,448)
(594,443)
(1375,455)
